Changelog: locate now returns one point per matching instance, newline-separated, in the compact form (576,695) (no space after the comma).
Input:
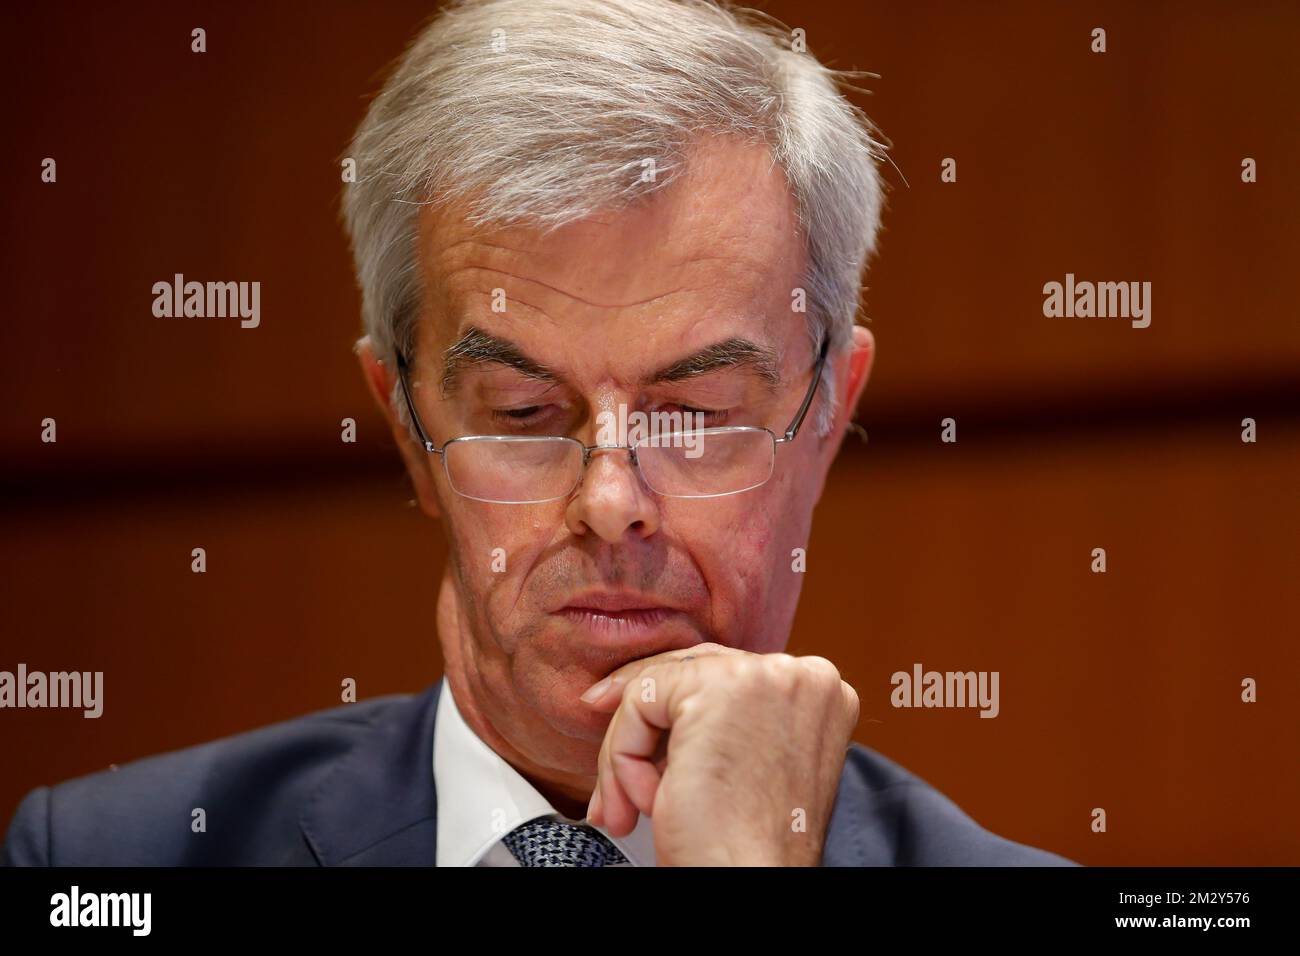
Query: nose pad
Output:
(611,510)
(588,453)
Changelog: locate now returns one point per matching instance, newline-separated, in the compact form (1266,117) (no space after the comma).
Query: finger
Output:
(640,778)
(632,743)
(852,704)
(637,776)
(618,813)
(608,698)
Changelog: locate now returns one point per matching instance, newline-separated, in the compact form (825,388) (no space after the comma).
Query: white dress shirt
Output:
(481,798)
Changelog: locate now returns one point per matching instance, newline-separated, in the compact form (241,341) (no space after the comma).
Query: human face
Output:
(602,305)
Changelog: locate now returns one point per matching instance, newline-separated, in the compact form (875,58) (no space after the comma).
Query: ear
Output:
(851,371)
(860,362)
(380,379)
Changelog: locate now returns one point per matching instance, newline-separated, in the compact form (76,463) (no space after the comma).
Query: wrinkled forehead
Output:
(721,242)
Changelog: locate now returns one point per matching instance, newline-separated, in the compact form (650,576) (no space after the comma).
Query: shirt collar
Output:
(481,797)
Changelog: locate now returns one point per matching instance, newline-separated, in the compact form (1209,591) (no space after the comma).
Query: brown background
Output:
(1119,691)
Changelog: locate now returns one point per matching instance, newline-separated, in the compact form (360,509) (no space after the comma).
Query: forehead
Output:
(720,244)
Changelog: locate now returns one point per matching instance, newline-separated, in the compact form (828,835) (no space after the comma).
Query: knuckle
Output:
(821,668)
(779,672)
(816,675)
(649,677)
(853,701)
(709,647)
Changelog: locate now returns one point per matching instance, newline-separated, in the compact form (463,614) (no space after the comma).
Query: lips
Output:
(633,620)
(620,615)
(614,603)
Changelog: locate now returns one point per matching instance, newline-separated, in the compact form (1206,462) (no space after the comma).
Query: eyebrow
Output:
(476,347)
(731,353)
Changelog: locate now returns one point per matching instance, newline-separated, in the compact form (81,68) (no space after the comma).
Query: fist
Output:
(736,756)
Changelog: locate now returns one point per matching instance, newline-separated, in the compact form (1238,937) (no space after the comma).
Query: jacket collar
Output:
(377,806)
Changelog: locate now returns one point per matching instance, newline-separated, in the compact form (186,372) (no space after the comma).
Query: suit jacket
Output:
(353,786)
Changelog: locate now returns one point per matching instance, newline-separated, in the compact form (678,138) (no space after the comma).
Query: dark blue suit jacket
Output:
(353,786)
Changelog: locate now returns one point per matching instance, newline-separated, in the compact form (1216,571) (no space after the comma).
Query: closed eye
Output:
(517,416)
(520,413)
(711,416)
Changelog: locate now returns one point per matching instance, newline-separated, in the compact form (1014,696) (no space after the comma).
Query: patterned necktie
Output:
(549,842)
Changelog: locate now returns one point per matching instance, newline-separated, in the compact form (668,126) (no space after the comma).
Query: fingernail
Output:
(597,690)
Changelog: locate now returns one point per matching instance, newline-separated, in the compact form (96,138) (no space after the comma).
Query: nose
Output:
(612,500)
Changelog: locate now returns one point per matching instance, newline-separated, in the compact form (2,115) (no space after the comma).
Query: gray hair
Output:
(543,111)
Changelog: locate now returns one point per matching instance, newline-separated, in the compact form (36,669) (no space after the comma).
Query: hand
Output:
(737,756)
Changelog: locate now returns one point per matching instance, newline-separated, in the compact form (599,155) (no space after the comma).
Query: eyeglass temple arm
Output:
(410,405)
(812,390)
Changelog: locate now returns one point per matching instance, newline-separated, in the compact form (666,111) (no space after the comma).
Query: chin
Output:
(550,699)
(581,725)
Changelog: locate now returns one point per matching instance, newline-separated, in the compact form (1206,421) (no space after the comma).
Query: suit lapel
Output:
(377,806)
(862,831)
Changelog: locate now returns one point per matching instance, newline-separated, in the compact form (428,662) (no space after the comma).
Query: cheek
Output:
(495,547)
(737,551)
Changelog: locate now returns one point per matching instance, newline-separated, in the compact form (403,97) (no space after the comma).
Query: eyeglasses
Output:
(533,469)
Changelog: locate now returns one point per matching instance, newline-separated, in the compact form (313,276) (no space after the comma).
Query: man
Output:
(569,216)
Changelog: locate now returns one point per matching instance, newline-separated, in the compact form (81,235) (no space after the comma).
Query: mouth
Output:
(617,613)
(629,621)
